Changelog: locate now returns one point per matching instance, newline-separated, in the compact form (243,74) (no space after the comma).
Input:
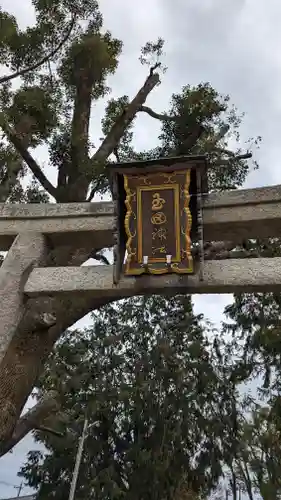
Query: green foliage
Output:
(42,108)
(151,384)
(8,30)
(152,53)
(255,328)
(204,106)
(256,465)
(33,113)
(34,193)
(53,103)
(162,395)
(90,60)
(193,107)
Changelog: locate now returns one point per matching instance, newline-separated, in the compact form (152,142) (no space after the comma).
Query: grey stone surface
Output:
(26,497)
(27,251)
(232,215)
(222,276)
(266,194)
(39,210)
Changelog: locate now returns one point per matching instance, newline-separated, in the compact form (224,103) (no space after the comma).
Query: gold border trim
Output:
(188,223)
(175,266)
(128,215)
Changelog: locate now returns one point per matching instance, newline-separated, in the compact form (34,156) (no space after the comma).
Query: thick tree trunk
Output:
(43,322)
(31,420)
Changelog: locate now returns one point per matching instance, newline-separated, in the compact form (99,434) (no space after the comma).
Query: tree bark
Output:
(113,137)
(79,141)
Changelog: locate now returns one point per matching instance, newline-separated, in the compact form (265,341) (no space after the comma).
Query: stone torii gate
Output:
(228,216)
(29,231)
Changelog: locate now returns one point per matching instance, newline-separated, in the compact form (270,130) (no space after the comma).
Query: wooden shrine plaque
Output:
(158,223)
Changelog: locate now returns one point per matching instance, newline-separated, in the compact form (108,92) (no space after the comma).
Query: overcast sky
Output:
(233,44)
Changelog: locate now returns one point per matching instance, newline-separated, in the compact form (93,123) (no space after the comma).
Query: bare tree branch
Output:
(34,66)
(49,430)
(245,156)
(117,130)
(31,420)
(158,116)
(99,257)
(153,68)
(226,152)
(29,160)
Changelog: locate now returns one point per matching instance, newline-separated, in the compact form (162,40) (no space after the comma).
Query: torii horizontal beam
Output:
(228,216)
(221,276)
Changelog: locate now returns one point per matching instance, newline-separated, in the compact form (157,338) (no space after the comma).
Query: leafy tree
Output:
(12,165)
(154,390)
(254,328)
(52,107)
(260,462)
(256,465)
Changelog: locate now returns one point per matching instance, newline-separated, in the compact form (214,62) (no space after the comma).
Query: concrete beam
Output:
(243,213)
(92,223)
(230,215)
(222,276)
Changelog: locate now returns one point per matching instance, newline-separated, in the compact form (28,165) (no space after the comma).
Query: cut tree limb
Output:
(113,137)
(27,157)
